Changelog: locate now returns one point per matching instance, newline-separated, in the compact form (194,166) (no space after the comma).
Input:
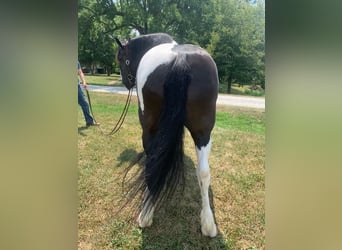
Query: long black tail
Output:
(164,166)
(164,154)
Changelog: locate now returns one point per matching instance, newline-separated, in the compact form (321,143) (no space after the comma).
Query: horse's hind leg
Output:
(145,218)
(208,226)
(200,122)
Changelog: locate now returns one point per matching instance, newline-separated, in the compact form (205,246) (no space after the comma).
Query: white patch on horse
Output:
(208,226)
(158,55)
(145,218)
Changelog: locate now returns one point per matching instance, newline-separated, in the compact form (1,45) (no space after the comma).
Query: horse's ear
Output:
(118,42)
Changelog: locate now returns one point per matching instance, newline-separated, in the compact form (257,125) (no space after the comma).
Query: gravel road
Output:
(223,99)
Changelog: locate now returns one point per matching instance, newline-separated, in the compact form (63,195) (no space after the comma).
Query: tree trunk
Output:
(108,69)
(145,28)
(229,86)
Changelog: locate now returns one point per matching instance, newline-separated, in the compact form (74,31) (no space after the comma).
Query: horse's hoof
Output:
(210,231)
(144,221)
(208,226)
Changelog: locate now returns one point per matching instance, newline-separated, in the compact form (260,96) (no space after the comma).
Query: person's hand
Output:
(84,85)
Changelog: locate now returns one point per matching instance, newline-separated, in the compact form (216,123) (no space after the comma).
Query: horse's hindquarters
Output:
(202,95)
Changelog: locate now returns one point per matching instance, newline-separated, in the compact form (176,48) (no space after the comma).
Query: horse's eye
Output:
(127,62)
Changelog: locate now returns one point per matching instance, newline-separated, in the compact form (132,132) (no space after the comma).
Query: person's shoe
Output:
(93,124)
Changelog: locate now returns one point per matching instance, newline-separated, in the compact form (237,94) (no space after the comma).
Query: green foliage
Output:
(237,42)
(237,89)
(95,48)
(233,31)
(253,92)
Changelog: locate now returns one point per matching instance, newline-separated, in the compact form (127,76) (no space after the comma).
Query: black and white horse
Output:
(177,87)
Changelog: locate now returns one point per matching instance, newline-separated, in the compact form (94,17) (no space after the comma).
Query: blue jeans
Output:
(84,105)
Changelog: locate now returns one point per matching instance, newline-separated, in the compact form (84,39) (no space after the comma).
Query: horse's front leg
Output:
(145,218)
(208,226)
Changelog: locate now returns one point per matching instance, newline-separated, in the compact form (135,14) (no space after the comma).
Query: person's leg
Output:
(85,107)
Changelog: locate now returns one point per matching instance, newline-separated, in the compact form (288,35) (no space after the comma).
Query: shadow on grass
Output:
(80,130)
(126,156)
(176,225)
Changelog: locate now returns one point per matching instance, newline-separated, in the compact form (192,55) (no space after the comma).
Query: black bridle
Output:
(131,78)
(124,48)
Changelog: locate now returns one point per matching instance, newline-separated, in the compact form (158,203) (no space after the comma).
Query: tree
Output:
(98,18)
(233,31)
(237,42)
(95,48)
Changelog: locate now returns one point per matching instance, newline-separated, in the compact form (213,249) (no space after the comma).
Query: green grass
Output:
(240,122)
(237,188)
(100,79)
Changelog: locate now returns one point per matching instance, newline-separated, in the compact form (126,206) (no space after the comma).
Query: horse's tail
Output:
(164,167)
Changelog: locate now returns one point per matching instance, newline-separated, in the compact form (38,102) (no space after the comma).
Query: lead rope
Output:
(90,106)
(123,114)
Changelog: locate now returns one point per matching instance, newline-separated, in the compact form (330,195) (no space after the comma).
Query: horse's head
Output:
(131,52)
(124,60)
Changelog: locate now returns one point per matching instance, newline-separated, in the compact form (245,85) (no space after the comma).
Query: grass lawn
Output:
(100,79)
(237,184)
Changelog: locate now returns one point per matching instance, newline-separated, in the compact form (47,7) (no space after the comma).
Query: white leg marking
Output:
(208,225)
(145,218)
(153,58)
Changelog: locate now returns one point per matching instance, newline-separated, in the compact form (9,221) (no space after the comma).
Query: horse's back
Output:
(156,63)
